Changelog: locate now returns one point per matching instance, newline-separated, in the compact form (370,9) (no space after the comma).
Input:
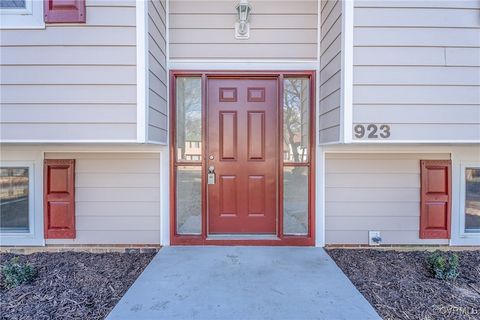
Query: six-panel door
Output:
(242,149)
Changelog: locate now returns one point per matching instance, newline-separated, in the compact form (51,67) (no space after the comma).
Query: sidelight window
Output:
(188,155)
(296,155)
(188,119)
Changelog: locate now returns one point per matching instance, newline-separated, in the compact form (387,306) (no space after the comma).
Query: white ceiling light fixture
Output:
(242,26)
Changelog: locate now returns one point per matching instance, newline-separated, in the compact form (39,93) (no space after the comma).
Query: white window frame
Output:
(31,200)
(463,194)
(29,18)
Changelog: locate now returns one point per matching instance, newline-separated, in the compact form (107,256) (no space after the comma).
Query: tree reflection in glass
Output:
(189,119)
(296,119)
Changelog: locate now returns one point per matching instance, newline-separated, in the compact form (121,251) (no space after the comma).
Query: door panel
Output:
(228,135)
(256,135)
(242,139)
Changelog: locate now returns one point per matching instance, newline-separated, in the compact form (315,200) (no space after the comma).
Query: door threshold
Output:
(243,237)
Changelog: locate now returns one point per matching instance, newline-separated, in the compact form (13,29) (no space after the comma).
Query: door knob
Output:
(211,175)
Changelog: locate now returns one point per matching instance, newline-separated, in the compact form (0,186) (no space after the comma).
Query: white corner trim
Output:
(319,154)
(165,197)
(167,58)
(142,69)
(320,197)
(165,153)
(347,72)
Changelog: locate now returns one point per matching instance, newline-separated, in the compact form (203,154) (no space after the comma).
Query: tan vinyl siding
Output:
(378,192)
(117,198)
(278,30)
(417,68)
(157,76)
(330,70)
(71,82)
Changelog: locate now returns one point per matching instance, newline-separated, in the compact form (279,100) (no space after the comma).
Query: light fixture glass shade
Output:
(243,11)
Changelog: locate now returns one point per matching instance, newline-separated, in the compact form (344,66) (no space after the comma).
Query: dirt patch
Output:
(399,286)
(71,285)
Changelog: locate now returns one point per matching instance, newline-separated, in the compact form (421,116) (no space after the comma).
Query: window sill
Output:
(23,28)
(26,239)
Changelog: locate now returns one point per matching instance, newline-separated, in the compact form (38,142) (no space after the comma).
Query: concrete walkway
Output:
(248,283)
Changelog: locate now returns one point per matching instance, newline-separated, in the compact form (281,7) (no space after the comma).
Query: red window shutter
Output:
(59,199)
(64,11)
(435,208)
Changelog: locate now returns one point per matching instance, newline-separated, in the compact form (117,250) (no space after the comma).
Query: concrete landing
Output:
(248,283)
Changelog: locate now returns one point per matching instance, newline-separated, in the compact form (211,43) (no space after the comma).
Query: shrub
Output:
(444,266)
(16,273)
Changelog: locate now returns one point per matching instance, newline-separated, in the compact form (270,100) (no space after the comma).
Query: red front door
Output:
(242,151)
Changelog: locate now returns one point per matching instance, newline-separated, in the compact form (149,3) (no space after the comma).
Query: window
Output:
(188,160)
(296,140)
(15,199)
(188,119)
(19,5)
(21,14)
(296,108)
(472,199)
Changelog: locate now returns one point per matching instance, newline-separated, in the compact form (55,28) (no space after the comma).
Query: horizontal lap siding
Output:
(330,71)
(157,76)
(117,198)
(379,192)
(417,68)
(72,82)
(278,30)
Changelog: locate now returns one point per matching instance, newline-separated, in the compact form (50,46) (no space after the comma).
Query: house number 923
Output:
(371,131)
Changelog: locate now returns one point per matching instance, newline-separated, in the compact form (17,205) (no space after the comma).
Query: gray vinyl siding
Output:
(71,82)
(417,68)
(157,76)
(278,30)
(117,198)
(330,71)
(378,192)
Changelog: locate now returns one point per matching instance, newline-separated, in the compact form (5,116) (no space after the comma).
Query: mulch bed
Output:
(71,285)
(398,285)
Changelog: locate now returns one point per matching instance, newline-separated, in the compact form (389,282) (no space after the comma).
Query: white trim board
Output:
(142,69)
(275,65)
(346,83)
(319,154)
(97,148)
(41,142)
(165,197)
(473,142)
(320,197)
(165,155)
